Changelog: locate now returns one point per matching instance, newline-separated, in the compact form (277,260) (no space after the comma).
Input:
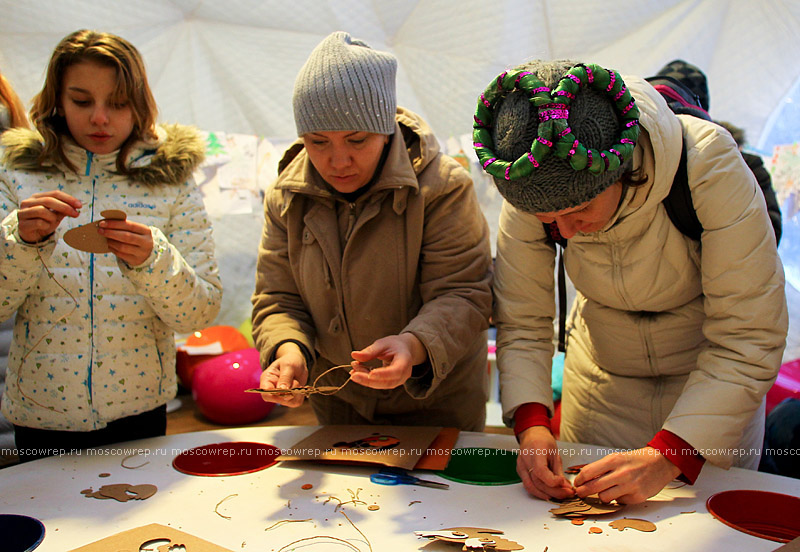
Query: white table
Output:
(50,490)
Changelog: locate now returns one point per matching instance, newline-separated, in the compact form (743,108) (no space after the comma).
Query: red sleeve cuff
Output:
(529,415)
(680,453)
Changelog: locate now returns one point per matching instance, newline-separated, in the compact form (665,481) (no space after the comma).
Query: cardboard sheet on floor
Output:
(404,447)
(151,538)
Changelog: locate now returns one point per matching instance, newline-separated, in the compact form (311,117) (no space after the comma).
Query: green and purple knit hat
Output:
(555,134)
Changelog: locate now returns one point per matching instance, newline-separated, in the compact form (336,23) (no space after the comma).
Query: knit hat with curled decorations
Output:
(346,85)
(554,184)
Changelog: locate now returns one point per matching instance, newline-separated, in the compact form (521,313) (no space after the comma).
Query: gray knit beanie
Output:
(554,184)
(346,85)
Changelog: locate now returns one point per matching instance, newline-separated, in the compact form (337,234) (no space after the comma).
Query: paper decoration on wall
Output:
(784,168)
(398,446)
(633,523)
(583,507)
(122,492)
(86,237)
(152,538)
(236,169)
(472,538)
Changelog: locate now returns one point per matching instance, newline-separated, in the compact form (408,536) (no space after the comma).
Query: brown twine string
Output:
(355,500)
(63,320)
(281,522)
(132,467)
(216,511)
(331,369)
(313,388)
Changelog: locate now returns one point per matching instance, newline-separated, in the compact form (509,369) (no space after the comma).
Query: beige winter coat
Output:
(665,332)
(410,255)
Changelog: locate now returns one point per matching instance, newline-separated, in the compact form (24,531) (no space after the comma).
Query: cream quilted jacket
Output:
(665,332)
(108,351)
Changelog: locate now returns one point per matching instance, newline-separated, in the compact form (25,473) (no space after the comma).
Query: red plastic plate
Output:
(220,459)
(764,514)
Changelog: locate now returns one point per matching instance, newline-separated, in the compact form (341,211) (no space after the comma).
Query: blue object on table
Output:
(557,375)
(397,476)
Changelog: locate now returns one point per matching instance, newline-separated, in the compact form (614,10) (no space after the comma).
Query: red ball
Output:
(219,384)
(224,338)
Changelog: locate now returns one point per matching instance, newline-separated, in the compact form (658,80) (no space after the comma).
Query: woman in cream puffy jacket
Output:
(672,343)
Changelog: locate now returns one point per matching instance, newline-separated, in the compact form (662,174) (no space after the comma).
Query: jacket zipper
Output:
(88,171)
(351,219)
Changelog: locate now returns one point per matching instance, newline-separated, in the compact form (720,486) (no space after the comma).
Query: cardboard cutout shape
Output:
(86,238)
(122,492)
(589,506)
(305,390)
(633,523)
(396,446)
(472,538)
(152,538)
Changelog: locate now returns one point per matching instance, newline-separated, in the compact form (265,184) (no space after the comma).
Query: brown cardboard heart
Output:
(86,238)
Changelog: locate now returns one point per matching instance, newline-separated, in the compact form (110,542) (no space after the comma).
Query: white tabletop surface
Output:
(50,490)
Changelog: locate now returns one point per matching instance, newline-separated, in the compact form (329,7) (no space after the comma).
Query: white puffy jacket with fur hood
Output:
(108,350)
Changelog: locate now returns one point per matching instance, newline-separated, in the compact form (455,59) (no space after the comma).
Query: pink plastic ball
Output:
(219,384)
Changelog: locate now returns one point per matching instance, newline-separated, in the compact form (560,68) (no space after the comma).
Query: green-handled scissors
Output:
(397,476)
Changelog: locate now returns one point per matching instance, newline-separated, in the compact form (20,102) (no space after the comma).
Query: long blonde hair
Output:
(12,102)
(108,50)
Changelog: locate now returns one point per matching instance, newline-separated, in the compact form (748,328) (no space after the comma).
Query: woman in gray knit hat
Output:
(673,342)
(374,252)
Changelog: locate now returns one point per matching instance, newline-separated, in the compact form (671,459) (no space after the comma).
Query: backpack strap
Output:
(554,237)
(678,202)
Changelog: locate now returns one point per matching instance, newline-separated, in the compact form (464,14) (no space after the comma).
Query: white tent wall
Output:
(229,66)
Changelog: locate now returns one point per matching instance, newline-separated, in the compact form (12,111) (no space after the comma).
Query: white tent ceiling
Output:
(230,65)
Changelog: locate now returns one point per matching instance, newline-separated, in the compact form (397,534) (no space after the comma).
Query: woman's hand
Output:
(130,241)
(40,214)
(539,465)
(286,371)
(627,477)
(399,353)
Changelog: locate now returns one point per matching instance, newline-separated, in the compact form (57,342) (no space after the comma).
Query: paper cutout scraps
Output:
(633,523)
(574,469)
(376,441)
(86,237)
(152,538)
(472,538)
(122,492)
(791,546)
(583,507)
(397,446)
(437,457)
(305,390)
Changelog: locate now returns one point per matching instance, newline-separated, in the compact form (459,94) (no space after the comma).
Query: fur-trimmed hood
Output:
(168,159)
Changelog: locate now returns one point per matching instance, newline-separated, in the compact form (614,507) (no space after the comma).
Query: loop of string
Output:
(62,320)
(314,389)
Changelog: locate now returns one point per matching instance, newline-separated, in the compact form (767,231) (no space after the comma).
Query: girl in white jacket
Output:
(93,357)
(673,342)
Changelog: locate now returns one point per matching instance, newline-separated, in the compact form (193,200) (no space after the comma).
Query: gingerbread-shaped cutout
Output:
(122,492)
(86,238)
